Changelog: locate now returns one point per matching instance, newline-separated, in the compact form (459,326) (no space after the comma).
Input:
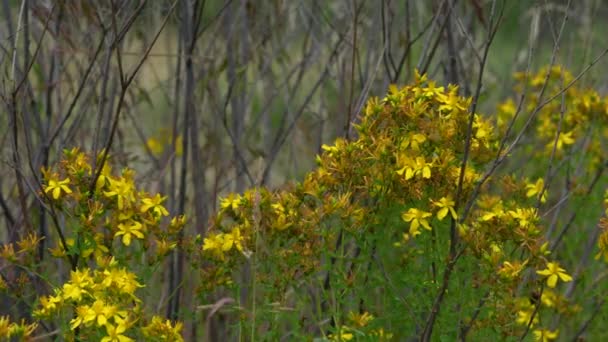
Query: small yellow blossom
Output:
(80,282)
(446,204)
(360,320)
(525,315)
(511,270)
(413,141)
(123,189)
(128,230)
(104,177)
(6,327)
(413,167)
(549,298)
(81,312)
(116,333)
(526,217)
(57,187)
(417,218)
(163,330)
(154,203)
(155,146)
(127,282)
(163,247)
(214,244)
(564,139)
(231,201)
(535,189)
(553,272)
(343,334)
(381,335)
(432,90)
(452,102)
(100,312)
(545,335)
(49,303)
(233,239)
(283,220)
(8,252)
(29,243)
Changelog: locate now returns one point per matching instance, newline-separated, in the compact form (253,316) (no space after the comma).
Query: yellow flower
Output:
(49,303)
(123,189)
(562,140)
(79,282)
(163,330)
(524,316)
(155,146)
(8,252)
(214,244)
(492,208)
(525,216)
(360,320)
(536,188)
(506,110)
(417,218)
(29,243)
(6,327)
(432,90)
(127,282)
(177,223)
(104,176)
(483,129)
(447,205)
(343,334)
(120,279)
(451,102)
(413,141)
(81,312)
(545,335)
(163,247)
(115,333)
(128,230)
(57,186)
(282,222)
(330,149)
(154,203)
(511,270)
(413,167)
(549,298)
(554,271)
(232,201)
(233,239)
(101,312)
(381,335)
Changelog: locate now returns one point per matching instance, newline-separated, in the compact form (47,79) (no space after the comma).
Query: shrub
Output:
(410,229)
(111,236)
(409,223)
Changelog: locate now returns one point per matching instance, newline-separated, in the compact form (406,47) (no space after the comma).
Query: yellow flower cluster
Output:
(406,159)
(110,224)
(10,331)
(163,141)
(102,299)
(568,116)
(116,207)
(356,329)
(163,330)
